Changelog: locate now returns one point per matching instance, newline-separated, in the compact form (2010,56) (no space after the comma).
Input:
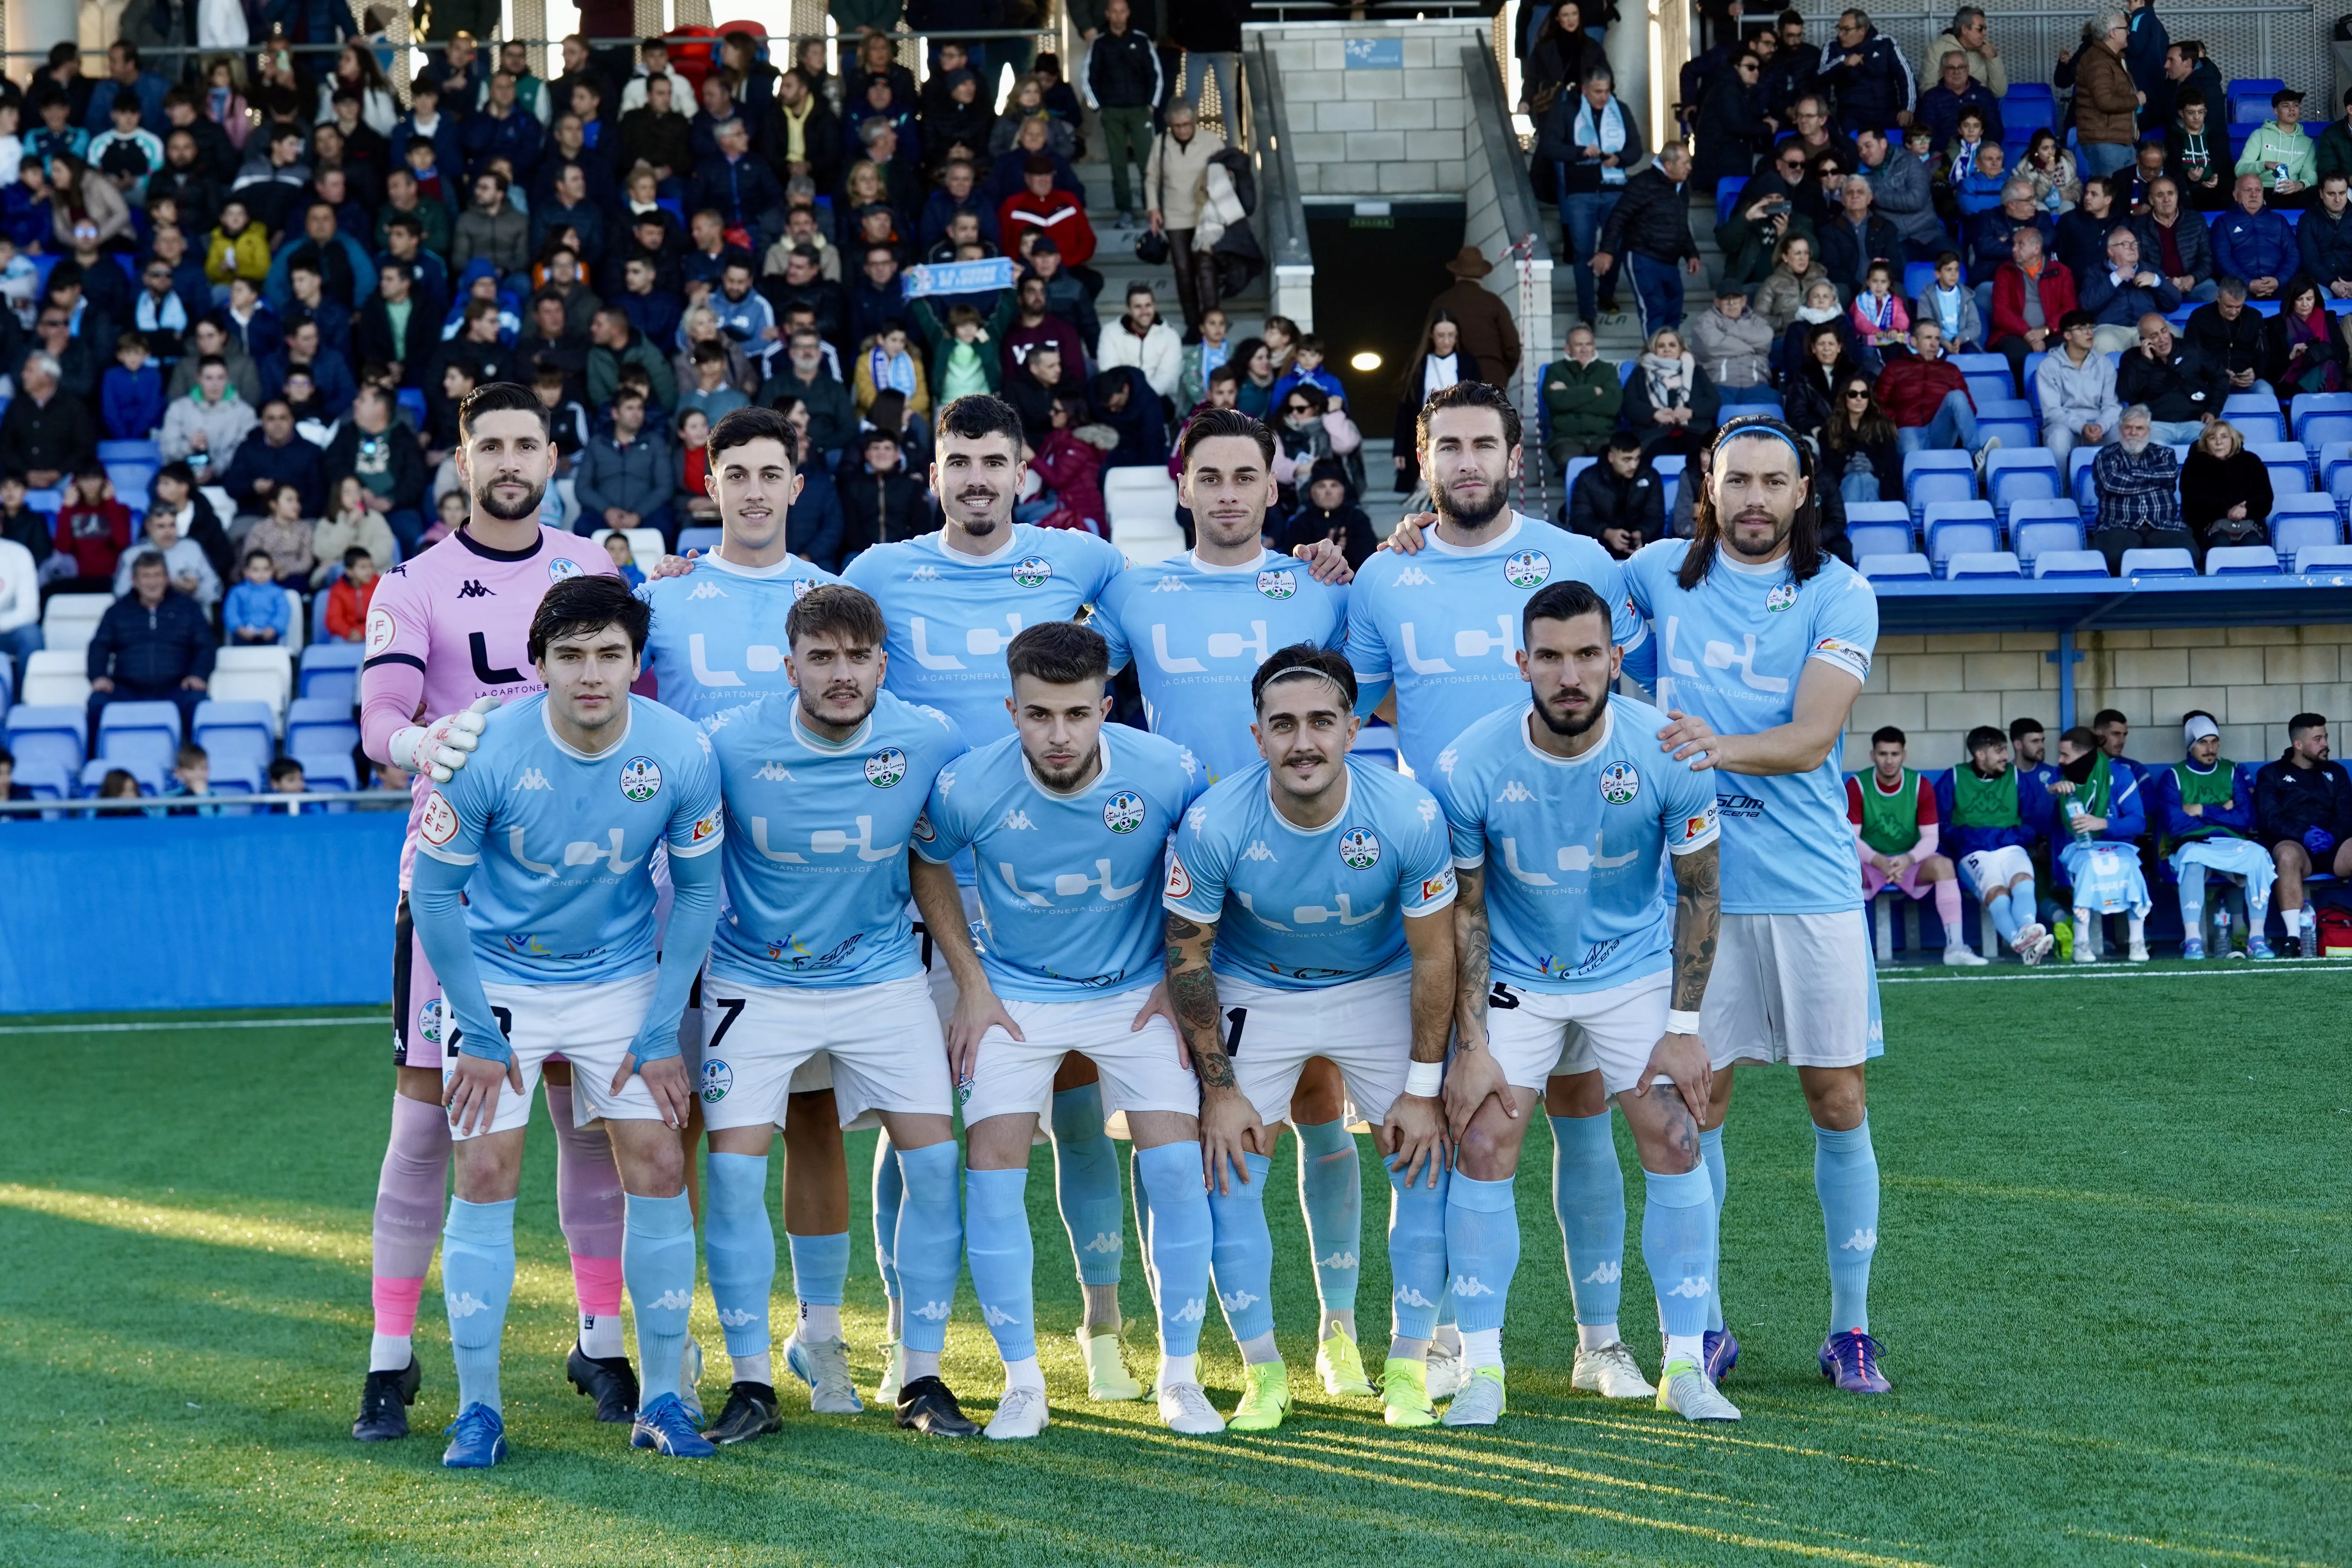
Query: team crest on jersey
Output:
(561,567)
(440,821)
(923,830)
(382,630)
(1030,571)
(1360,849)
(428,1022)
(1527,569)
(1620,784)
(1782,597)
(1123,813)
(718,1077)
(640,779)
(1277,585)
(1179,880)
(886,767)
(801,586)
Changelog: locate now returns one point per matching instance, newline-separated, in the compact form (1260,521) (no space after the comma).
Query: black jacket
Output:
(373,340)
(881,508)
(407,462)
(1731,131)
(2276,349)
(1846,256)
(1123,71)
(148,649)
(1652,219)
(297,463)
(2233,345)
(1348,528)
(1602,498)
(2290,800)
(2326,242)
(198,192)
(2187,385)
(56,437)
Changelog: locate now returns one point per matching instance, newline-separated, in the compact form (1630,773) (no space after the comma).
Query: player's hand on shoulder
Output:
(1689,738)
(443,746)
(1409,533)
(672,566)
(1325,562)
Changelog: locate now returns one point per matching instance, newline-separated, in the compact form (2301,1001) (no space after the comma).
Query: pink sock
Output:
(589,1201)
(1948,910)
(408,1202)
(596,1281)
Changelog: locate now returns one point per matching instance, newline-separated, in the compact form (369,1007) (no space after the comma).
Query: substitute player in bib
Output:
(1764,640)
(534,895)
(1435,621)
(715,644)
(2207,812)
(1199,627)
(1303,906)
(1067,819)
(1571,963)
(1984,803)
(816,955)
(445,638)
(1897,834)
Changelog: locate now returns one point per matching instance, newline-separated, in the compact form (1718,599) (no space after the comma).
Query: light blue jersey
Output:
(718,634)
(816,842)
(951,614)
(1442,626)
(562,843)
(1298,908)
(1067,882)
(1731,651)
(1197,635)
(1575,849)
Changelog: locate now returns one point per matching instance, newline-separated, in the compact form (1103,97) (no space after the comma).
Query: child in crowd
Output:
(286,777)
(888,366)
(192,771)
(963,365)
(93,530)
(449,517)
(285,538)
(625,558)
(120,783)
(236,248)
(1952,307)
(1307,367)
(710,392)
(347,601)
(256,612)
(131,397)
(693,501)
(1879,319)
(351,524)
(1281,339)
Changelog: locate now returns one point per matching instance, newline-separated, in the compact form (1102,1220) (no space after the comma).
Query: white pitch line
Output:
(191,1024)
(2314,967)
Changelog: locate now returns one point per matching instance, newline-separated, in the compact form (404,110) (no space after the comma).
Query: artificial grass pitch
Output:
(2110,1285)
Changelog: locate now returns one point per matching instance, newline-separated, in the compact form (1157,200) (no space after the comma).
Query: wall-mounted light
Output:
(1367,360)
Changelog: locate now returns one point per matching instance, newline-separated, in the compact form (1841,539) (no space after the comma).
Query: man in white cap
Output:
(2206,813)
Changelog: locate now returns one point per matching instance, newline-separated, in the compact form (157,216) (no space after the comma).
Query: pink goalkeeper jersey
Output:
(451,626)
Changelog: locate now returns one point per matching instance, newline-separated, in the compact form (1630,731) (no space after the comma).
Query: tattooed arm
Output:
(1415,1126)
(1229,1123)
(1472,1077)
(1698,914)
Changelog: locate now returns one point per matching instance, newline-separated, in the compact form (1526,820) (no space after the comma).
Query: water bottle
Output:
(2074,814)
(2221,929)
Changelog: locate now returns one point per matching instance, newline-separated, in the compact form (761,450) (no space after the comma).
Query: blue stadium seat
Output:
(238,779)
(1670,474)
(331,669)
(143,768)
(2027,109)
(706,538)
(315,724)
(47,500)
(1954,528)
(131,480)
(142,731)
(1920,276)
(1726,197)
(329,770)
(1980,563)
(1567,482)
(48,781)
(2249,99)
(2239,560)
(1878,528)
(1937,477)
(2158,563)
(2012,477)
(2069,563)
(2019,432)
(2032,392)
(1377,744)
(674,206)
(2296,532)
(2078,478)
(2289,464)
(2321,428)
(1988,377)
(2257,416)
(47,736)
(234,733)
(1906,563)
(141,451)
(2034,538)
(413,402)
(2313,560)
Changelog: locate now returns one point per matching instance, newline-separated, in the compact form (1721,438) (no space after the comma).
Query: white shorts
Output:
(1995,869)
(882,1041)
(1799,989)
(1363,1027)
(1537,1035)
(592,1026)
(1142,1069)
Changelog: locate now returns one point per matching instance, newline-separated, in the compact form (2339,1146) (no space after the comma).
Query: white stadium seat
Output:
(1142,507)
(54,676)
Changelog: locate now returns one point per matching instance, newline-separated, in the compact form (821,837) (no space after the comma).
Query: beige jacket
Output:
(1172,176)
(1992,72)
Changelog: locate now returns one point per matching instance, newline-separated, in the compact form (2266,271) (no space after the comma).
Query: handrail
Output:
(1514,192)
(1267,127)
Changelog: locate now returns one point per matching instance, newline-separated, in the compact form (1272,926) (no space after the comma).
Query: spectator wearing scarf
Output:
(2300,343)
(1668,381)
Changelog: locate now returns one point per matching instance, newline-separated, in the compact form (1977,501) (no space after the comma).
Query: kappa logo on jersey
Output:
(1172,586)
(1428,810)
(1782,597)
(1360,849)
(1277,585)
(474,590)
(440,821)
(382,631)
(641,779)
(1526,569)
(1017,821)
(428,1022)
(924,574)
(886,767)
(704,828)
(1123,813)
(1514,792)
(1179,880)
(1031,570)
(1258,851)
(775,772)
(707,591)
(532,779)
(1412,577)
(1196,819)
(1620,782)
(1445,762)
(718,1077)
(561,567)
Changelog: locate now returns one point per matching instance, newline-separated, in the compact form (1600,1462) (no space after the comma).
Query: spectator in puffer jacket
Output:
(154,645)
(1619,501)
(1580,394)
(2255,243)
(1733,348)
(1927,398)
(1867,72)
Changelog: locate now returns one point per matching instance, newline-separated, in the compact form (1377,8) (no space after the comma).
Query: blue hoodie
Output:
(132,401)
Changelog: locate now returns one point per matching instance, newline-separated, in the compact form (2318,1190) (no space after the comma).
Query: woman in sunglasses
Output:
(1858,445)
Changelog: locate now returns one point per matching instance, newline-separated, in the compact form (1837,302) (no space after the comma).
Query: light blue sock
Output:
(820,1268)
(889,1192)
(1142,1221)
(1085,1183)
(2003,910)
(2023,904)
(477,1271)
(657,1262)
(2258,905)
(1445,1301)
(739,1249)
(1416,1253)
(1482,1249)
(1678,1245)
(1588,1195)
(1180,1240)
(996,1242)
(1846,1176)
(1241,1253)
(1710,1149)
(1331,1191)
(931,1238)
(2193,902)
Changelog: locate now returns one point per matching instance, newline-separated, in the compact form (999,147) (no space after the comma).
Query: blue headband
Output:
(1772,432)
